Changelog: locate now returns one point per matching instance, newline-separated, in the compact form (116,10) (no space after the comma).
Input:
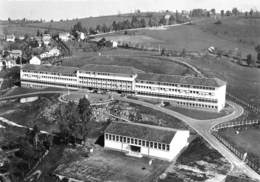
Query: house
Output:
(54,52)
(14,54)
(140,140)
(114,44)
(64,36)
(35,60)
(21,37)
(10,38)
(46,38)
(39,41)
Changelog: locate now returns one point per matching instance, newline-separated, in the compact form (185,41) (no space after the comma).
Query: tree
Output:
(257,49)
(171,20)
(251,12)
(235,11)
(114,26)
(38,33)
(222,12)
(213,11)
(143,23)
(68,119)
(250,61)
(9,20)
(85,113)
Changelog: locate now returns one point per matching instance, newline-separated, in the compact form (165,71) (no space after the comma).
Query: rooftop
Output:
(110,69)
(51,69)
(141,131)
(190,80)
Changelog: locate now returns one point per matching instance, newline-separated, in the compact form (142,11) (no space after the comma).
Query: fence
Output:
(232,124)
(250,160)
(244,103)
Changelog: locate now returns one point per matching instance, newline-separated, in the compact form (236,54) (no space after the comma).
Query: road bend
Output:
(203,128)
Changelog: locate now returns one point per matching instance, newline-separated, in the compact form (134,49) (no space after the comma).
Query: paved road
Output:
(202,127)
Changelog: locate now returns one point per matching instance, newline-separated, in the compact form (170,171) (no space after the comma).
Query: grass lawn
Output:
(121,57)
(199,162)
(29,114)
(21,90)
(247,140)
(111,165)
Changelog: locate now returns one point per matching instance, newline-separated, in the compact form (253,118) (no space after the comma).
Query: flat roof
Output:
(110,69)
(189,80)
(142,131)
(51,69)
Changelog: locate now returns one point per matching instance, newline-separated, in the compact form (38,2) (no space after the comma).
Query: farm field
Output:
(247,140)
(145,62)
(242,82)
(198,162)
(234,32)
(109,165)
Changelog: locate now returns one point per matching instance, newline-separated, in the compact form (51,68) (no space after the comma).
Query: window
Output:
(143,143)
(132,141)
(160,146)
(151,144)
(140,142)
(113,137)
(124,139)
(155,145)
(147,144)
(106,136)
(163,146)
(167,147)
(121,139)
(128,140)
(136,141)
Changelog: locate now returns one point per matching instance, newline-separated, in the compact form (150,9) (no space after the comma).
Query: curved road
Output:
(202,127)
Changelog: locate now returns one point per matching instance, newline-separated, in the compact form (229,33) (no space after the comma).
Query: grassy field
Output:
(242,82)
(145,62)
(199,162)
(234,32)
(107,165)
(246,139)
(29,114)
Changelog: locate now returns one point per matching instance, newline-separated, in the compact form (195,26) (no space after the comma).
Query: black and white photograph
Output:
(129,91)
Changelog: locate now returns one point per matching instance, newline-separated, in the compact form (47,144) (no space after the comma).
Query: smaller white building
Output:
(10,38)
(64,36)
(35,60)
(46,38)
(114,44)
(140,140)
(54,52)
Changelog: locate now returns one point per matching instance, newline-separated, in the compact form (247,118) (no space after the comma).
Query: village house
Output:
(46,38)
(14,54)
(10,38)
(64,36)
(140,140)
(35,60)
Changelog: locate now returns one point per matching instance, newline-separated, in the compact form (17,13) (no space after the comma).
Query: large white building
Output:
(185,91)
(140,140)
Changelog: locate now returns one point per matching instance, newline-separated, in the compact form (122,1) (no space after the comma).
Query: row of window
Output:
(144,143)
(103,80)
(176,85)
(176,90)
(49,77)
(189,98)
(124,86)
(50,73)
(51,84)
(188,104)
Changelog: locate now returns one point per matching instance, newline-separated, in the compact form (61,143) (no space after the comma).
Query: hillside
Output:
(234,32)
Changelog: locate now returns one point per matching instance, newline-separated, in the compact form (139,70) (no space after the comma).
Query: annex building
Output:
(184,91)
(140,140)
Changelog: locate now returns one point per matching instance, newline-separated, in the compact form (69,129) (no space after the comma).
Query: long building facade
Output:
(140,140)
(184,91)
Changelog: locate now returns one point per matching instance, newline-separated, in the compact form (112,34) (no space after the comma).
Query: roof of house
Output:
(142,131)
(110,69)
(51,69)
(190,80)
